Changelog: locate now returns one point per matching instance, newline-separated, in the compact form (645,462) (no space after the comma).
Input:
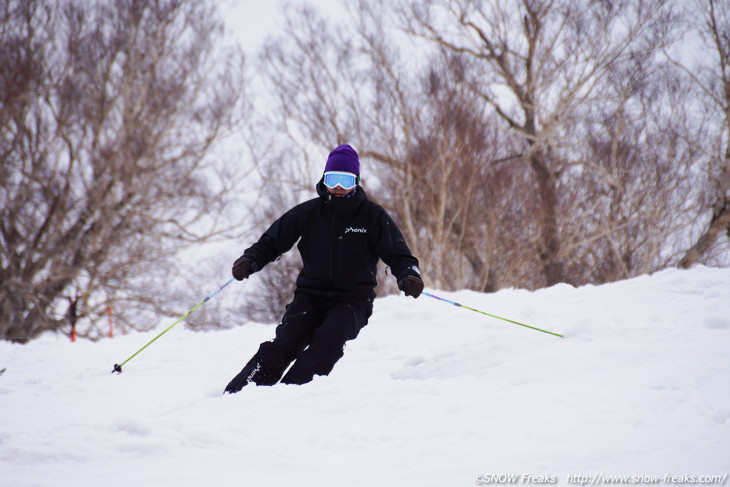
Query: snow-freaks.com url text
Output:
(600,479)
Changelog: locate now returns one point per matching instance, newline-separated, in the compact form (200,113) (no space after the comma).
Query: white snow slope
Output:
(429,395)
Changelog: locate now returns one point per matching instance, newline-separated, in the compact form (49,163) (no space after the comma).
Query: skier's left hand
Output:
(411,285)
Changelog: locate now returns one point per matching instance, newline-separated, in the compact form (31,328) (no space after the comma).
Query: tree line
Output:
(518,143)
(109,115)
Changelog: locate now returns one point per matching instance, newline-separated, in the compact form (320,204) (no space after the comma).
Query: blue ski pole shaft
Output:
(493,316)
(118,367)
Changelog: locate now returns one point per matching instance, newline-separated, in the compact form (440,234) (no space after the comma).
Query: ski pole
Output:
(493,316)
(118,367)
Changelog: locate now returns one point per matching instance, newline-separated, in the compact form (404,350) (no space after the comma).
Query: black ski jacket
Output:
(340,241)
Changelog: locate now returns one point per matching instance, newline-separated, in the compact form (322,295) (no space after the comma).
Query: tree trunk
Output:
(720,222)
(549,251)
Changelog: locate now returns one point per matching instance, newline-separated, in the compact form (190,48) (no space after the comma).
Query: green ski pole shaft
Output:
(493,316)
(118,367)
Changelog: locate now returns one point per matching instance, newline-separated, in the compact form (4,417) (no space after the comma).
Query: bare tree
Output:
(110,112)
(537,64)
(633,198)
(448,181)
(711,77)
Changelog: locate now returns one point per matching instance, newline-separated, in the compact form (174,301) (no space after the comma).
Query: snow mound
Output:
(428,395)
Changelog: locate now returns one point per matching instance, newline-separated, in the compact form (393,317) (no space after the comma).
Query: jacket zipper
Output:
(332,243)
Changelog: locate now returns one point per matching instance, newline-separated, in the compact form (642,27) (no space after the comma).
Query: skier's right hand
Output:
(411,285)
(243,268)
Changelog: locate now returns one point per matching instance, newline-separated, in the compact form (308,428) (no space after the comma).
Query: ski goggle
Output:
(345,180)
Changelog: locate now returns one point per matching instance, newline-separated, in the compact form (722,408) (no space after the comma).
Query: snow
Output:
(428,395)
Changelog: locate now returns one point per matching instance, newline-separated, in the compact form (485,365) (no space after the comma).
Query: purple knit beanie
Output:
(343,158)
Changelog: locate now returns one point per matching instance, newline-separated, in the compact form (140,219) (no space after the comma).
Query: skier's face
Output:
(339,191)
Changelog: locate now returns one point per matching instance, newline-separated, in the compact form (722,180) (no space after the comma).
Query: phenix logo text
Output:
(356,230)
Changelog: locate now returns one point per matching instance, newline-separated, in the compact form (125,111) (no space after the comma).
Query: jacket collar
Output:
(341,207)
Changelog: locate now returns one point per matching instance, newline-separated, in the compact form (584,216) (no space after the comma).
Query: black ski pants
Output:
(312,334)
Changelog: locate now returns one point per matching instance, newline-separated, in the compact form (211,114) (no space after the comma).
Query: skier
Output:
(341,236)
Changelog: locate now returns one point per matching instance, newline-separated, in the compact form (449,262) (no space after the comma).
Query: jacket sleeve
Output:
(392,249)
(278,239)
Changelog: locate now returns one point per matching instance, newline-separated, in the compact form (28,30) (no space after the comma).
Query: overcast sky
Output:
(253,20)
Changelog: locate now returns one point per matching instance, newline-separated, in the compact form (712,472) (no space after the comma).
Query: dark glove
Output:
(411,285)
(243,268)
